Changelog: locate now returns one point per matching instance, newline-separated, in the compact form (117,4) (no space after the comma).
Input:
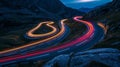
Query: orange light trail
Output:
(49,24)
(103,26)
(38,42)
(56,48)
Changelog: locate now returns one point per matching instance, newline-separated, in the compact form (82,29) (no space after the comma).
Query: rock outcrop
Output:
(105,57)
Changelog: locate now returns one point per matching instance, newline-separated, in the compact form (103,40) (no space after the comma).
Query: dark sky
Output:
(84,3)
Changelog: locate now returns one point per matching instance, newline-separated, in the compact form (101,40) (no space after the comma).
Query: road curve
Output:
(103,26)
(48,23)
(37,42)
(56,48)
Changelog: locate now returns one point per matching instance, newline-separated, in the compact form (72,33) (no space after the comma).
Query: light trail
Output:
(49,24)
(38,42)
(55,48)
(103,26)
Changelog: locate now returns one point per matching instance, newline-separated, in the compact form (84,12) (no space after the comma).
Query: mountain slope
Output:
(109,14)
(24,11)
(84,9)
(104,54)
(104,11)
(19,16)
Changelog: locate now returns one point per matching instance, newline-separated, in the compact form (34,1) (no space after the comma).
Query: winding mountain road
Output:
(39,42)
(93,35)
(49,24)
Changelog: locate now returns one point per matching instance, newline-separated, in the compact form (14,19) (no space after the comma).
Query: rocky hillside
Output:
(105,53)
(19,16)
(106,57)
(105,11)
(109,14)
(23,11)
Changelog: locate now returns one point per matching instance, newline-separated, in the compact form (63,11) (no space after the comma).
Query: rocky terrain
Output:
(26,11)
(105,53)
(16,19)
(105,57)
(19,16)
(109,14)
